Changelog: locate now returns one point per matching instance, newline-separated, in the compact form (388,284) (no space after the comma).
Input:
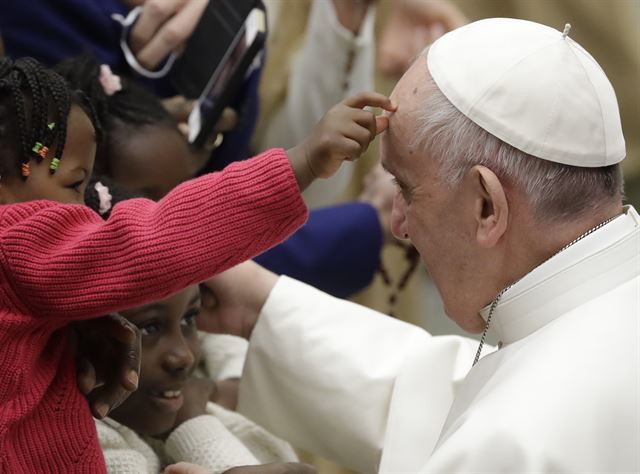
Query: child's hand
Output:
(108,361)
(344,133)
(233,299)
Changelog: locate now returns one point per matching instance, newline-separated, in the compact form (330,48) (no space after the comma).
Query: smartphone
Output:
(224,49)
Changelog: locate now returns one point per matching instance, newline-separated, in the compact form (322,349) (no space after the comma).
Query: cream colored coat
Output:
(561,395)
(218,441)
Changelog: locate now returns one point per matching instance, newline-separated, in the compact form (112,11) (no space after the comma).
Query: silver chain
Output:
(495,302)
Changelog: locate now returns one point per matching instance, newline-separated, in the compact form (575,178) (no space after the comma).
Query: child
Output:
(142,149)
(53,266)
(170,418)
(144,152)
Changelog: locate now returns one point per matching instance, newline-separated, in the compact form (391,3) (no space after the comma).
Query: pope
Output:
(505,146)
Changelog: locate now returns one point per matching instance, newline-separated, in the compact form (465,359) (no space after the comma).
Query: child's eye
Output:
(149,329)
(189,319)
(76,185)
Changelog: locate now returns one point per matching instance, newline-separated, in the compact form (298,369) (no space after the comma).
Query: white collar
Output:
(587,269)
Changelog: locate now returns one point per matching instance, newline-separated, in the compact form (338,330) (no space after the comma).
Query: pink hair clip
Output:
(110,82)
(104,196)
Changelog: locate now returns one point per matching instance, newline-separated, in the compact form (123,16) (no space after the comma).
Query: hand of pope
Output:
(232,300)
(344,133)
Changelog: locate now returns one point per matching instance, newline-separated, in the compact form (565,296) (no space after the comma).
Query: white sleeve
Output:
(223,355)
(124,451)
(205,441)
(346,382)
(318,72)
(330,58)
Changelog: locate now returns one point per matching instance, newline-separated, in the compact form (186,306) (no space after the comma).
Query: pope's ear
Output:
(491,209)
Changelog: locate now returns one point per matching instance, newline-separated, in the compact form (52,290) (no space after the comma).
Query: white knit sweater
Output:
(218,441)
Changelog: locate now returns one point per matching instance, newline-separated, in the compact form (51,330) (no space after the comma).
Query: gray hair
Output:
(555,192)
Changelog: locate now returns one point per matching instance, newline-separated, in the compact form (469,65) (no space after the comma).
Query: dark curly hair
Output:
(34,109)
(130,108)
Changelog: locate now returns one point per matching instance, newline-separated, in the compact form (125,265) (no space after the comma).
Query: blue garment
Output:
(337,251)
(51,31)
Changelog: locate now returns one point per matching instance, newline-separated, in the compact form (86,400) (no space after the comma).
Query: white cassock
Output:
(378,395)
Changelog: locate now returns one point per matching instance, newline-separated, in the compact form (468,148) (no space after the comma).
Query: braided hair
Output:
(130,108)
(34,108)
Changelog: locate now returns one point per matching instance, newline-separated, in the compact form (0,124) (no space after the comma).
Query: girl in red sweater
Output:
(53,266)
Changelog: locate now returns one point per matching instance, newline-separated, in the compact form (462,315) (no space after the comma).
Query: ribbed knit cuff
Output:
(205,441)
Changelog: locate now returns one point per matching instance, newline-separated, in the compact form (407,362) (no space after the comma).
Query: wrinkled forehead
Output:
(412,84)
(408,94)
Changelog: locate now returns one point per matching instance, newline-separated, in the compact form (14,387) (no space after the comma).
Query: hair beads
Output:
(38,102)
(54,165)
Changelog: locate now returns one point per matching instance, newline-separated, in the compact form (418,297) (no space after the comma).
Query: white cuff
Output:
(223,355)
(204,440)
(127,22)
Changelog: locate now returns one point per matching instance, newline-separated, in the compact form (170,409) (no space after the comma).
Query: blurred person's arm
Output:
(414,24)
(321,68)
(156,31)
(333,62)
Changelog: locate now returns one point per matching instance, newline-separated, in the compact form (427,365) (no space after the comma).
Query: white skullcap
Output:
(533,87)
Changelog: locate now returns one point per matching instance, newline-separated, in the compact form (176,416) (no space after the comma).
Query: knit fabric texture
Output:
(217,441)
(61,263)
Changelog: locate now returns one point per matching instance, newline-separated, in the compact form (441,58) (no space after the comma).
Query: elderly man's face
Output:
(427,210)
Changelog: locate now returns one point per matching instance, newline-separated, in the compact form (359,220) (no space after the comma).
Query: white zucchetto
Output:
(533,87)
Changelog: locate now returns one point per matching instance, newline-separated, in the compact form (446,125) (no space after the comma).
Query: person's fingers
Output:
(87,379)
(172,34)
(107,398)
(185,468)
(153,16)
(350,149)
(360,134)
(178,107)
(129,351)
(227,121)
(272,468)
(110,395)
(121,364)
(183,128)
(370,99)
(382,123)
(365,119)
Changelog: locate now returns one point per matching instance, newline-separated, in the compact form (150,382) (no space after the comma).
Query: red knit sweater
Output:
(62,263)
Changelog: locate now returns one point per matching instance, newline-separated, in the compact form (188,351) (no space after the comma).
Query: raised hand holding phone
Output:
(344,133)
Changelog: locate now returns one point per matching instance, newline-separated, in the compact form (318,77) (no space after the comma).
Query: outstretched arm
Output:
(65,262)
(362,380)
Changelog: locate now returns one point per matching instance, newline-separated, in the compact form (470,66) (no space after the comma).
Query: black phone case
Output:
(212,37)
